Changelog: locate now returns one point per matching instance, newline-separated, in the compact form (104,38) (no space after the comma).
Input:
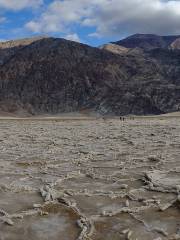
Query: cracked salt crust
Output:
(90,179)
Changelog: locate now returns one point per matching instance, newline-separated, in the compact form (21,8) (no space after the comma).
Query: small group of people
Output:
(122,119)
(126,118)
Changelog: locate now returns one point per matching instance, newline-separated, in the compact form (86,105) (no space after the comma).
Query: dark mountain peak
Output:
(147,41)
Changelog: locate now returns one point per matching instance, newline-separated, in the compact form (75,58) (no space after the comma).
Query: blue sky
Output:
(89,21)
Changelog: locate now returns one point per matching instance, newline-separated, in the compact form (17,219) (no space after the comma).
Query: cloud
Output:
(136,16)
(19,4)
(73,37)
(109,17)
(60,15)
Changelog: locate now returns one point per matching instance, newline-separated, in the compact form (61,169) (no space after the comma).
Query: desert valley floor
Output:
(77,179)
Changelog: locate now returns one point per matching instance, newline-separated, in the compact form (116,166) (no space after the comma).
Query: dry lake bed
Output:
(70,179)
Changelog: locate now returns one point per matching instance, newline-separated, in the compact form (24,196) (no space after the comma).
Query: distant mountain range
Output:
(137,75)
(150,41)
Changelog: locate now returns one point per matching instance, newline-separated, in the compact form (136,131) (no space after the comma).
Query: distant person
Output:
(122,119)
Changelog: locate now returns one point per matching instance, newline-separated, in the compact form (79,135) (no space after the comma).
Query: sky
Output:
(92,22)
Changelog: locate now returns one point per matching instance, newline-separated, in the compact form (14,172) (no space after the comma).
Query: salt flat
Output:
(90,178)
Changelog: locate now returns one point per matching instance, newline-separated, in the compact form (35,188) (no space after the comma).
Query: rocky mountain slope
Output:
(175,44)
(50,75)
(9,48)
(114,48)
(147,41)
(118,49)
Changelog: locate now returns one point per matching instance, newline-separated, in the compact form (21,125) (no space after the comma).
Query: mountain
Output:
(147,41)
(19,42)
(176,44)
(9,48)
(118,49)
(52,75)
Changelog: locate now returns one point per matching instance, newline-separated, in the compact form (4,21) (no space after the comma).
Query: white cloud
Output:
(137,16)
(110,17)
(73,37)
(19,4)
(59,15)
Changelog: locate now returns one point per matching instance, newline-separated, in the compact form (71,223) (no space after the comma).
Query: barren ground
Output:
(68,179)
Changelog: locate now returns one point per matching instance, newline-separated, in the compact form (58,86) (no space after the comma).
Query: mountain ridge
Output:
(54,75)
(147,41)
